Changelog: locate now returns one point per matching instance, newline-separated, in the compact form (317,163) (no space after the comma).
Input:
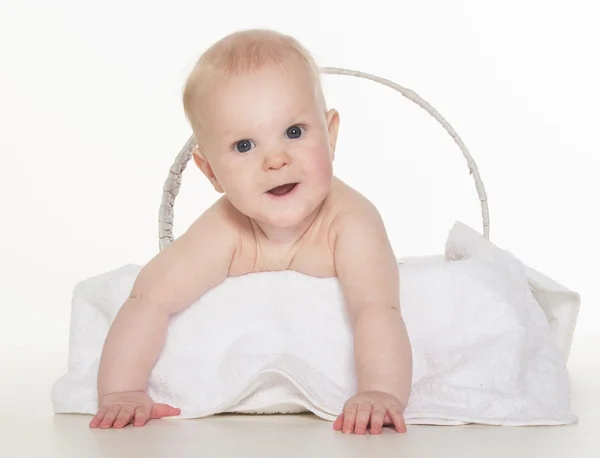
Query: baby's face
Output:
(269,144)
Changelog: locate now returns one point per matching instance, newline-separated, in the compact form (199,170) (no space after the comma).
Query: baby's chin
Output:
(283,221)
(296,215)
(282,218)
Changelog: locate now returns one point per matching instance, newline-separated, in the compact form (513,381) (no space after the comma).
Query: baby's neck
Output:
(286,236)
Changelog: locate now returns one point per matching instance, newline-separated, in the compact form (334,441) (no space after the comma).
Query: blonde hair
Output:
(244,51)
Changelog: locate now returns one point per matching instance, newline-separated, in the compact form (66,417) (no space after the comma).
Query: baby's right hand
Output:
(120,409)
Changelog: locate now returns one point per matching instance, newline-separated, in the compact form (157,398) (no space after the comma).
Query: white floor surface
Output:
(28,427)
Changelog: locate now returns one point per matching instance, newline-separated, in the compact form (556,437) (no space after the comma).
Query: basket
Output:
(173,181)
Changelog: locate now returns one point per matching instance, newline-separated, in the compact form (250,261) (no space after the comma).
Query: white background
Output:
(91,119)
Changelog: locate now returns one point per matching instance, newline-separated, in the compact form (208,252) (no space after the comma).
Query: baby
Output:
(266,141)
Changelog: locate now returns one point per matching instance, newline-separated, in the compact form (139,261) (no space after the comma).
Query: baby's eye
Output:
(294,132)
(243,146)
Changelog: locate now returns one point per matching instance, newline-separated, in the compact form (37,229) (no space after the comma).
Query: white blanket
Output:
(484,349)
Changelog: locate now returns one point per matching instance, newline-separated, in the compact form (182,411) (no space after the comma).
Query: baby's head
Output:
(258,113)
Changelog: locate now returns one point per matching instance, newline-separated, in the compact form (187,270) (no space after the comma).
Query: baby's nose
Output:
(276,160)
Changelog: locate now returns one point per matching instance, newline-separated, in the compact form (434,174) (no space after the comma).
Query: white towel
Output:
(484,350)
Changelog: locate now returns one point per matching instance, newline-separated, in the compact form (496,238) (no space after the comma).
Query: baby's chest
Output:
(317,261)
(313,258)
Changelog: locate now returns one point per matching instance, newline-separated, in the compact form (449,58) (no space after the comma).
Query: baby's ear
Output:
(205,167)
(333,124)
(199,158)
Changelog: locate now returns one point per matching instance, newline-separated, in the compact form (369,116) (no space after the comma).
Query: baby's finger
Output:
(110,417)
(98,417)
(124,417)
(398,419)
(141,416)
(163,410)
(377,417)
(349,418)
(362,417)
(339,421)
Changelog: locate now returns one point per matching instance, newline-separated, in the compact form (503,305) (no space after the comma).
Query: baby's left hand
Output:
(370,407)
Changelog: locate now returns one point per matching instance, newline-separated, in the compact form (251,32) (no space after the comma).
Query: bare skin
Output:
(171,281)
(322,228)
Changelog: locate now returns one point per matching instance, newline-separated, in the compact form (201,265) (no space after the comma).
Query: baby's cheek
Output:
(322,166)
(234,182)
(245,193)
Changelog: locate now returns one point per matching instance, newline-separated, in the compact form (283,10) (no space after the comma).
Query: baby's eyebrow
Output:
(296,117)
(300,113)
(232,135)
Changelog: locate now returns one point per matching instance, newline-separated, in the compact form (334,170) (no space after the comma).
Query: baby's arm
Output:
(368,273)
(172,280)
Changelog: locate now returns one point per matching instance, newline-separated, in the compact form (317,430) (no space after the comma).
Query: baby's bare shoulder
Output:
(348,205)
(195,262)
(220,220)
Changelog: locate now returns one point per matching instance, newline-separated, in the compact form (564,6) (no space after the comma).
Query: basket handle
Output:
(173,181)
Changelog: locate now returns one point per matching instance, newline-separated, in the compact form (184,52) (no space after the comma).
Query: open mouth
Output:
(283,190)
